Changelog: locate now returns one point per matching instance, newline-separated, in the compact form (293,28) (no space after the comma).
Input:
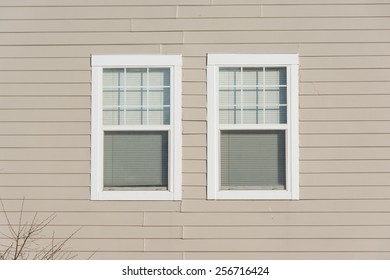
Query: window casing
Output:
(252,126)
(136,127)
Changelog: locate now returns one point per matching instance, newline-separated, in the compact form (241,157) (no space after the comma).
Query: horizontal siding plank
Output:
(245,23)
(289,37)
(345,101)
(345,114)
(194,140)
(70,202)
(104,3)
(194,166)
(344,153)
(194,101)
(347,62)
(194,114)
(91,25)
(41,167)
(110,232)
(370,142)
(41,64)
(304,49)
(38,115)
(45,141)
(19,128)
(282,11)
(126,12)
(248,245)
(218,11)
(84,219)
(42,89)
(153,256)
(45,102)
(348,193)
(350,166)
(194,179)
(98,38)
(58,196)
(342,179)
(343,88)
(194,75)
(37,180)
(296,2)
(252,219)
(198,49)
(276,232)
(45,154)
(287,255)
(22,3)
(194,127)
(194,193)
(45,76)
(106,244)
(194,153)
(194,88)
(71,51)
(303,206)
(348,75)
(345,127)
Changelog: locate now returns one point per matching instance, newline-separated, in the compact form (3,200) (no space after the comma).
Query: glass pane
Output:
(159,116)
(230,115)
(229,77)
(252,96)
(136,116)
(113,116)
(113,97)
(159,97)
(276,115)
(275,76)
(253,115)
(276,96)
(230,97)
(252,77)
(136,77)
(113,77)
(159,77)
(136,159)
(136,97)
(253,160)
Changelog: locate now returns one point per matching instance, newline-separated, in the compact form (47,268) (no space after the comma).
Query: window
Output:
(252,126)
(136,127)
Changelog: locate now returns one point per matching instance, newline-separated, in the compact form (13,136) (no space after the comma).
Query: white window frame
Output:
(291,62)
(98,63)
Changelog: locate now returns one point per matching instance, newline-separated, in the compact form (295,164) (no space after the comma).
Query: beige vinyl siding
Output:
(45,106)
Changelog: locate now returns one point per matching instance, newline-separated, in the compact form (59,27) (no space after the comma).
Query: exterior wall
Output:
(45,92)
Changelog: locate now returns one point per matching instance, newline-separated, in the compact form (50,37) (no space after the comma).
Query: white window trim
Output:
(291,61)
(98,62)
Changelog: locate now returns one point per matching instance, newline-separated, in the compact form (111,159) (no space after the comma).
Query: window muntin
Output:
(252,126)
(136,123)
